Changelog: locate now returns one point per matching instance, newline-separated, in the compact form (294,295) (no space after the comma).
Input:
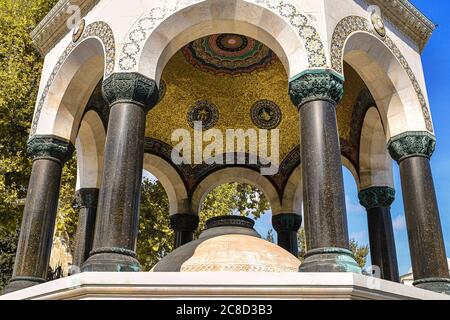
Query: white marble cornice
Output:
(407,18)
(54,25)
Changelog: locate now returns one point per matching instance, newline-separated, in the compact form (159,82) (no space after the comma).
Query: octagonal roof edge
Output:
(402,13)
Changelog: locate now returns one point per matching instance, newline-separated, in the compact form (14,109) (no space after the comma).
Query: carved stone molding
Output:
(408,19)
(54,25)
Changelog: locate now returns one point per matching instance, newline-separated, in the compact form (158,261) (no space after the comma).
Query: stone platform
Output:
(199,285)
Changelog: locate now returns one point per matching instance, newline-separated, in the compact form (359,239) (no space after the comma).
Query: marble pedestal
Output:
(212,285)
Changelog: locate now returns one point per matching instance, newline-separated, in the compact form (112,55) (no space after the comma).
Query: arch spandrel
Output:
(235,174)
(76,73)
(90,145)
(161,32)
(171,181)
(375,161)
(386,72)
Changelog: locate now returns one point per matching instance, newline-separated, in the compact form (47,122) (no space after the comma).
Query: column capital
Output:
(376,197)
(412,144)
(50,147)
(87,197)
(184,222)
(316,84)
(286,222)
(130,87)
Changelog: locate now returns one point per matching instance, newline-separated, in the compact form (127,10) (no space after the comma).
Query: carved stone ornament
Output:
(130,88)
(376,197)
(316,84)
(50,147)
(78,30)
(412,144)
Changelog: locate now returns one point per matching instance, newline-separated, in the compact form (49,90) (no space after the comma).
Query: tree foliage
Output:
(156,238)
(20,69)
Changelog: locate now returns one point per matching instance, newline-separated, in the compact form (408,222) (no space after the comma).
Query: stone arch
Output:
(349,165)
(81,66)
(156,36)
(235,174)
(171,181)
(375,163)
(90,147)
(385,71)
(293,193)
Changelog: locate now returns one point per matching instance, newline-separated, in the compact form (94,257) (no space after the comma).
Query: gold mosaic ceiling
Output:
(233,73)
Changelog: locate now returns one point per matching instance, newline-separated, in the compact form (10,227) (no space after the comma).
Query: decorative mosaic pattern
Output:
(311,38)
(100,30)
(136,39)
(236,268)
(203,111)
(266,114)
(352,24)
(228,54)
(193,175)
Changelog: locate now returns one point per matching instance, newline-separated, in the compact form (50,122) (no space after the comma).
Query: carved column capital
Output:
(376,197)
(87,197)
(50,147)
(286,222)
(184,222)
(412,144)
(130,87)
(316,84)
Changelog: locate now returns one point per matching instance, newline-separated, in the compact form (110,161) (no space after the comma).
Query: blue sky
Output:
(436,63)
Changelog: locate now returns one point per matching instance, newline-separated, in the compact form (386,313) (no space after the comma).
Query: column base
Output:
(19,283)
(330,260)
(439,285)
(111,260)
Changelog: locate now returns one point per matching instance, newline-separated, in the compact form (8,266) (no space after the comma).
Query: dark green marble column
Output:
(38,222)
(377,201)
(184,226)
(87,199)
(412,151)
(316,93)
(130,97)
(287,225)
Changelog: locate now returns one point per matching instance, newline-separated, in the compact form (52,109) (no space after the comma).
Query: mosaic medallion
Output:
(228,54)
(205,112)
(378,24)
(78,31)
(266,114)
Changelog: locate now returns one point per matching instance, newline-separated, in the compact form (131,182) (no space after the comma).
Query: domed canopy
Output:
(229,244)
